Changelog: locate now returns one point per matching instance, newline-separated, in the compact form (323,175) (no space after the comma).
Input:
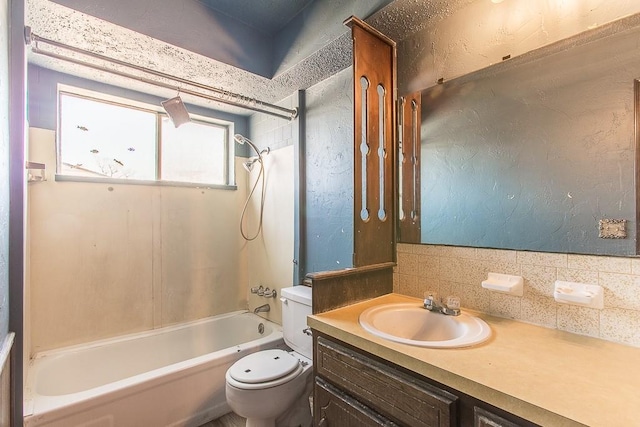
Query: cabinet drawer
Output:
(385,389)
(336,409)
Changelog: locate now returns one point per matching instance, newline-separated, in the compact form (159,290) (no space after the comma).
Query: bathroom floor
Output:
(229,420)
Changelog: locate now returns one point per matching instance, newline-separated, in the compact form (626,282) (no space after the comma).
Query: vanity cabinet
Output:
(355,388)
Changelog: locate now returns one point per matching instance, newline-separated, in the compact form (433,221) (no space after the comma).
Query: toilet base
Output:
(271,422)
(298,415)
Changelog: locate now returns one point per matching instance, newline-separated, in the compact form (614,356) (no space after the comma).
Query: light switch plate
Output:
(613,229)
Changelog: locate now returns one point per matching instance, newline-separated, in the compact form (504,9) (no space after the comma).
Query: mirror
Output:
(532,153)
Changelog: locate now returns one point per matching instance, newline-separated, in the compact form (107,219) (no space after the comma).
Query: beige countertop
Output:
(549,377)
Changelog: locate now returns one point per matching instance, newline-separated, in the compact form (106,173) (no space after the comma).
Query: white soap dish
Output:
(579,294)
(504,283)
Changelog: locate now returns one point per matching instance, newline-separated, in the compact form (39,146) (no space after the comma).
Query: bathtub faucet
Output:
(262,308)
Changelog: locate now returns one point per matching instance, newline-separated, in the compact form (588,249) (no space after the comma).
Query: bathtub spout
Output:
(262,308)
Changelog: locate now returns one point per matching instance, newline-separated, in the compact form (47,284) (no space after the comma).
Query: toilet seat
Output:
(263,369)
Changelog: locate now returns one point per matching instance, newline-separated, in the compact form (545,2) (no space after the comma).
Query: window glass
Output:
(106,140)
(194,152)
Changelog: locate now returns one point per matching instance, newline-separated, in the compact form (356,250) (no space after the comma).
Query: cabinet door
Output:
(484,418)
(388,391)
(333,408)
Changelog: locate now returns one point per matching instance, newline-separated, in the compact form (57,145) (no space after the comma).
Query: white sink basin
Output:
(410,323)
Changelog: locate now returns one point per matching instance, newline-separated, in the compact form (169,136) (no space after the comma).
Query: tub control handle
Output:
(307,331)
(258,290)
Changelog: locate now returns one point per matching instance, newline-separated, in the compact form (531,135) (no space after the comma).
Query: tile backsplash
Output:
(459,271)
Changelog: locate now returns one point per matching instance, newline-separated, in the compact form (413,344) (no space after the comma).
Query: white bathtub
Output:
(172,376)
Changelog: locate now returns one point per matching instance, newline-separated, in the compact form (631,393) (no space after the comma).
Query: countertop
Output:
(546,376)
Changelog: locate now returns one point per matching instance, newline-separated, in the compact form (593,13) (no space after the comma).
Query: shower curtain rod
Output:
(223,96)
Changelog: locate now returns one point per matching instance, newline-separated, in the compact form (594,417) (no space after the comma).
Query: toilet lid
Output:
(262,366)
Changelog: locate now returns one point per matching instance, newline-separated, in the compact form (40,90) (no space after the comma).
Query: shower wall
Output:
(107,259)
(271,254)
(111,259)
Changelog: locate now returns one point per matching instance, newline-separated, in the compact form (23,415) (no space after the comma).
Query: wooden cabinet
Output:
(484,418)
(354,388)
(389,392)
(336,408)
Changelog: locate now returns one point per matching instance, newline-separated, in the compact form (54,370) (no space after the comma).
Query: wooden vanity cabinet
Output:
(355,388)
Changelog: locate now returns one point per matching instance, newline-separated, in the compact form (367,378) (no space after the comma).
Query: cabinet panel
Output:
(484,418)
(385,389)
(336,409)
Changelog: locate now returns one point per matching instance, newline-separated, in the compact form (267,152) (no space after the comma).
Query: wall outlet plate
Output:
(612,229)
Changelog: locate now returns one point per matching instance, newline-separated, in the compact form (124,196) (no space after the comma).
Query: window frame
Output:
(227,126)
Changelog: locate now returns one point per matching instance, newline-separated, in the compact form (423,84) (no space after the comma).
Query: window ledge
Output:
(72,178)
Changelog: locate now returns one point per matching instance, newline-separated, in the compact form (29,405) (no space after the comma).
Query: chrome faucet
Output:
(263,308)
(450,308)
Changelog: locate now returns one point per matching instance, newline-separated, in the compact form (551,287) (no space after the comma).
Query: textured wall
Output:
(529,158)
(471,34)
(315,28)
(329,173)
(533,152)
(191,25)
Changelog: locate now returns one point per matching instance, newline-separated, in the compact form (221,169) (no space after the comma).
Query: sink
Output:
(410,323)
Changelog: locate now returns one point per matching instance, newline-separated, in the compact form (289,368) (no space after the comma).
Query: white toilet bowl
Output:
(271,388)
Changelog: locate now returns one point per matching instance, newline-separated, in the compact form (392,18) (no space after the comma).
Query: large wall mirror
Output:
(532,153)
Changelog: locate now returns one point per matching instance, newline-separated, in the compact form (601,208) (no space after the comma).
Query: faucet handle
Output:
(432,295)
(453,302)
(268,293)
(430,300)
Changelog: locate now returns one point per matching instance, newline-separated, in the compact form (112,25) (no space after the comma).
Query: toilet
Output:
(272,387)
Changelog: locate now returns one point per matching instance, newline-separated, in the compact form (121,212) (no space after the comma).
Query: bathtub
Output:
(172,376)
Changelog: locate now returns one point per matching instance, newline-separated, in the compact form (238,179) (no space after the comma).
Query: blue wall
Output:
(329,174)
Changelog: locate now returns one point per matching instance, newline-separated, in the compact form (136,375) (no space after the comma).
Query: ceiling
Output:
(263,49)
(267,16)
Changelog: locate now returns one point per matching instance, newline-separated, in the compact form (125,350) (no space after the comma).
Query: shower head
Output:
(248,165)
(240,139)
(176,111)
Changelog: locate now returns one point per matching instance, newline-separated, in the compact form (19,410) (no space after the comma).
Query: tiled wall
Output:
(274,132)
(459,271)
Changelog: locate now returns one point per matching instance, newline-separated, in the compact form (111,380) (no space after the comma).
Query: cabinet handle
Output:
(322,422)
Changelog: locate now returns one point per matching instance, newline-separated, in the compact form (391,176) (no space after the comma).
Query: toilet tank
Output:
(296,306)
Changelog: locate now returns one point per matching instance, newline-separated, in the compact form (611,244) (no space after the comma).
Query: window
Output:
(101,139)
